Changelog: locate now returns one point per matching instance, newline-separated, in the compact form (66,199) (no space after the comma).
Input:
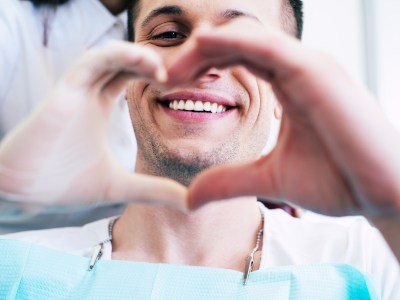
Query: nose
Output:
(212,75)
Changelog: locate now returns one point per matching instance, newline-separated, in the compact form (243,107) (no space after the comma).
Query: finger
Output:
(223,182)
(192,63)
(137,188)
(102,64)
(118,82)
(116,85)
(264,49)
(273,55)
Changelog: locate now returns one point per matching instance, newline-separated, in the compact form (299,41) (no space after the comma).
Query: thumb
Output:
(145,189)
(223,182)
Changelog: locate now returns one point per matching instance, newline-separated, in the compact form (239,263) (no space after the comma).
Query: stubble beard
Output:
(158,159)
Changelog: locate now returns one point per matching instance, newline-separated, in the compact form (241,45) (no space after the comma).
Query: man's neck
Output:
(115,6)
(218,235)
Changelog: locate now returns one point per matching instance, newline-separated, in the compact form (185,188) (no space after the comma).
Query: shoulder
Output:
(314,238)
(90,18)
(16,12)
(18,29)
(73,240)
(9,7)
(313,224)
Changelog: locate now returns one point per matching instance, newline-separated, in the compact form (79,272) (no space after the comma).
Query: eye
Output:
(168,35)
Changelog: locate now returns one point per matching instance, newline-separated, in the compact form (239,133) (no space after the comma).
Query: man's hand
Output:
(336,152)
(61,155)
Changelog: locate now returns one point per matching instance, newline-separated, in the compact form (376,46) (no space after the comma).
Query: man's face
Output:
(223,117)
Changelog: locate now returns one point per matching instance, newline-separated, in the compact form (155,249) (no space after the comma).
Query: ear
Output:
(126,95)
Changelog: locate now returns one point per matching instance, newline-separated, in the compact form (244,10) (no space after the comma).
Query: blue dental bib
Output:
(29,271)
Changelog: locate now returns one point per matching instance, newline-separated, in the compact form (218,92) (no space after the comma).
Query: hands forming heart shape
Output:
(336,152)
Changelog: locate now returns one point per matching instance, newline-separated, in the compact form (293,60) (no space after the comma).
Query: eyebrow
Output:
(172,10)
(234,13)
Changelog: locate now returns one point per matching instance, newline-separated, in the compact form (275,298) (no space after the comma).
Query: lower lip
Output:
(190,116)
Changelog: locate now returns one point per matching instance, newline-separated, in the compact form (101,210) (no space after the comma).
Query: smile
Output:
(197,106)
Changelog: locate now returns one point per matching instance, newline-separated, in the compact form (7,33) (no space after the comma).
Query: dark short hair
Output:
(292,17)
(297,6)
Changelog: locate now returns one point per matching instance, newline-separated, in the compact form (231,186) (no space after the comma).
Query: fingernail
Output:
(161,75)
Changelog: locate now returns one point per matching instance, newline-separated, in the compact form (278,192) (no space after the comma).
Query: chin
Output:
(202,157)
(183,166)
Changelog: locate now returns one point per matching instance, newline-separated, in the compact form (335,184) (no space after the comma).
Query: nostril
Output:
(211,75)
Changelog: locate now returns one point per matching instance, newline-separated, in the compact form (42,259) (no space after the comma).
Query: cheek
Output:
(267,104)
(257,113)
(260,104)
(137,89)
(262,111)
(134,94)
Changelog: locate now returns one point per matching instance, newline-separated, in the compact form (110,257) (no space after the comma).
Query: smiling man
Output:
(209,116)
(224,117)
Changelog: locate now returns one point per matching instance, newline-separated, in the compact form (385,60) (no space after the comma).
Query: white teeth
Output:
(214,108)
(189,105)
(197,106)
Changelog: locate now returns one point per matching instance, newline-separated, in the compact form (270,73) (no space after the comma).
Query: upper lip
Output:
(198,96)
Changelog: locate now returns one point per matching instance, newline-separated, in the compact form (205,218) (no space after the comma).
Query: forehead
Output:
(266,11)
